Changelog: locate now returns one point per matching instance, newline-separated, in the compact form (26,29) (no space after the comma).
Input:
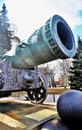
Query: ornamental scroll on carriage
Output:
(19,71)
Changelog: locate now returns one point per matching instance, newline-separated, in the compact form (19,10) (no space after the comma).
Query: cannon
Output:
(19,70)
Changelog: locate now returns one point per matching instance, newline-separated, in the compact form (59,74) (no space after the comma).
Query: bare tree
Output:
(65,67)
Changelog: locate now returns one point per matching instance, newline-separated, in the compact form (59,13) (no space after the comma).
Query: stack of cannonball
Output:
(69,108)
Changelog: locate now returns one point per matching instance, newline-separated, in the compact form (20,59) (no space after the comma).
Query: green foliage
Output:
(5,33)
(75,77)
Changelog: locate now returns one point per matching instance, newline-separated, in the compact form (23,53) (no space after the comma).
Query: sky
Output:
(30,15)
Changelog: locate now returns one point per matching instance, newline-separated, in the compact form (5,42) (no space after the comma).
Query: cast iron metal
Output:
(19,71)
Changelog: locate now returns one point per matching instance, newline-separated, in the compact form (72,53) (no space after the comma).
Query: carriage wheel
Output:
(38,95)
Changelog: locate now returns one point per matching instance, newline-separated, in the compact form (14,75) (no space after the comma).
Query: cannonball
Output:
(55,124)
(69,108)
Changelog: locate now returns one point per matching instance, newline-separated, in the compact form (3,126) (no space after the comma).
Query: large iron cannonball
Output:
(69,107)
(55,124)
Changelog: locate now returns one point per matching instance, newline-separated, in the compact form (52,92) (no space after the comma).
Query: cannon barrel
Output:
(52,41)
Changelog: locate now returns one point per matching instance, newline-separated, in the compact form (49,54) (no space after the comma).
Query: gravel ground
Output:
(22,96)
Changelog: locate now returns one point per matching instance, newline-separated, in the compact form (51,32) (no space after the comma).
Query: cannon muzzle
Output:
(52,41)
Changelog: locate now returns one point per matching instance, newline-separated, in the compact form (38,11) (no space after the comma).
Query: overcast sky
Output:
(29,15)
